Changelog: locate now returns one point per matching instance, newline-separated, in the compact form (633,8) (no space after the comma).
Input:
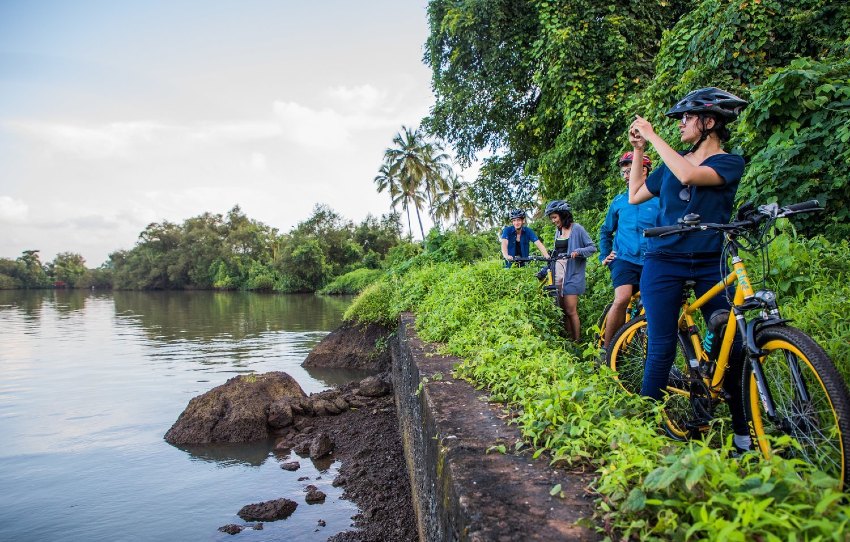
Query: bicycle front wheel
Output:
(810,400)
(627,357)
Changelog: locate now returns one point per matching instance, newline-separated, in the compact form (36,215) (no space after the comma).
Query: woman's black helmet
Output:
(557,206)
(517,213)
(709,100)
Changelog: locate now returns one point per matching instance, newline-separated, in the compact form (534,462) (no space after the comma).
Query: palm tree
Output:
(386,179)
(437,172)
(404,162)
(452,200)
(472,218)
(407,196)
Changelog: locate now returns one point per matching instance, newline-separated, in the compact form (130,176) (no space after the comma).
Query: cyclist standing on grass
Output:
(702,180)
(623,253)
(517,238)
(572,247)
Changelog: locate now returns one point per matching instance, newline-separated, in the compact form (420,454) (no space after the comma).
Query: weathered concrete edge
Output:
(460,492)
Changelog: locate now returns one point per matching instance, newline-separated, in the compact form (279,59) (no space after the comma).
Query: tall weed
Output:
(651,488)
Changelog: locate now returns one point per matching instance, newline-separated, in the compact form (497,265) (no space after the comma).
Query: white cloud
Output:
(12,210)
(312,128)
(127,140)
(114,139)
(358,109)
(363,97)
(235,132)
(259,162)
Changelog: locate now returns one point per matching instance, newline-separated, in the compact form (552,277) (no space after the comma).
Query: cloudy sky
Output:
(117,114)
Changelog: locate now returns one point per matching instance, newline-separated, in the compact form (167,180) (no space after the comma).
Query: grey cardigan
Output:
(580,241)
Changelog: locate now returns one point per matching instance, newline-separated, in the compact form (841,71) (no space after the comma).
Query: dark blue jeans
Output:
(661,288)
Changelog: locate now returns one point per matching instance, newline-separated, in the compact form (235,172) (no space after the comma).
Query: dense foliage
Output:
(235,252)
(66,270)
(649,487)
(550,86)
(212,251)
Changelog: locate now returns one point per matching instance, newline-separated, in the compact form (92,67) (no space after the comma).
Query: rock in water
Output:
(236,411)
(314,495)
(321,446)
(353,346)
(231,528)
(268,510)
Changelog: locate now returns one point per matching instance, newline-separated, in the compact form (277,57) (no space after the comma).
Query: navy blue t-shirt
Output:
(711,203)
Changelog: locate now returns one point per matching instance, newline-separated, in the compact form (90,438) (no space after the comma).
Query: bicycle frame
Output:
(745,298)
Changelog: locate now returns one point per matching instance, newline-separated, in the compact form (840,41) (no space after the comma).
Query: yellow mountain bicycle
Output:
(790,386)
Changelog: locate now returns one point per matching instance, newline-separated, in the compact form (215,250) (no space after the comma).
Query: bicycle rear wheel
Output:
(810,398)
(627,357)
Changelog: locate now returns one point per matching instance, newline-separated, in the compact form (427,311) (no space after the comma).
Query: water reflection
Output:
(88,389)
(252,454)
(28,303)
(336,377)
(206,316)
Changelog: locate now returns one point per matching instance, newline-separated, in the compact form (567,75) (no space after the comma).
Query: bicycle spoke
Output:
(809,398)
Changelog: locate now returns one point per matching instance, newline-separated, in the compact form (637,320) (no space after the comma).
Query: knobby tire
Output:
(627,357)
(821,425)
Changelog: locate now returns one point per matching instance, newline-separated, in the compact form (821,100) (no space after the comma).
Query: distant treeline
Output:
(231,252)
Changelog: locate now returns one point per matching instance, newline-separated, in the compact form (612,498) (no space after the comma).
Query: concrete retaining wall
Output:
(460,491)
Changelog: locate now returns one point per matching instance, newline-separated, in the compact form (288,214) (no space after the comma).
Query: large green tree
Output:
(548,88)
(69,268)
(31,272)
(540,83)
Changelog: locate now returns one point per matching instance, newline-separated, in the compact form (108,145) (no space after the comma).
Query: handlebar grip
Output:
(661,230)
(803,206)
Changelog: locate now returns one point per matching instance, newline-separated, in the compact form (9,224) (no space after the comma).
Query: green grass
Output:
(649,487)
(352,282)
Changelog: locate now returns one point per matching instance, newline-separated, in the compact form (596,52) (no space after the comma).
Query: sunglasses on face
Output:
(686,117)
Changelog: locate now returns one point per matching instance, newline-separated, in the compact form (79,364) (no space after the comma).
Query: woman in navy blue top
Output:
(517,237)
(702,180)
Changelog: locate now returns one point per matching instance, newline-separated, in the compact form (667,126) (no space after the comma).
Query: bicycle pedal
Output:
(698,425)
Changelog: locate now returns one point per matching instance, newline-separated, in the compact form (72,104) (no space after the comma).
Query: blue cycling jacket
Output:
(623,228)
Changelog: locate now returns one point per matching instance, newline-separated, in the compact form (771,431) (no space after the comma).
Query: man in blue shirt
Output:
(622,245)
(517,237)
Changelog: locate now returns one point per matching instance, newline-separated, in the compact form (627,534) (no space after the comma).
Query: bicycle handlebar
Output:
(532,259)
(754,218)
(804,206)
(662,230)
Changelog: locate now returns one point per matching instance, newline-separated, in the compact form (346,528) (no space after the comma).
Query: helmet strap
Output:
(704,133)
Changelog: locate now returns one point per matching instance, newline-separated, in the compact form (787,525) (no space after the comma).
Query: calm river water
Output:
(89,384)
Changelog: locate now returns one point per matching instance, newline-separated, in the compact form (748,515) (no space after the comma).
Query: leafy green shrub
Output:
(352,282)
(261,278)
(797,135)
(9,283)
(401,253)
(460,246)
(374,305)
(651,488)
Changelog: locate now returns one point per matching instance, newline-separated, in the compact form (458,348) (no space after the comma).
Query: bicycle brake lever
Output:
(769,209)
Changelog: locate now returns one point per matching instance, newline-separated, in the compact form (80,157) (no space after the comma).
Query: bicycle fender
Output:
(756,324)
